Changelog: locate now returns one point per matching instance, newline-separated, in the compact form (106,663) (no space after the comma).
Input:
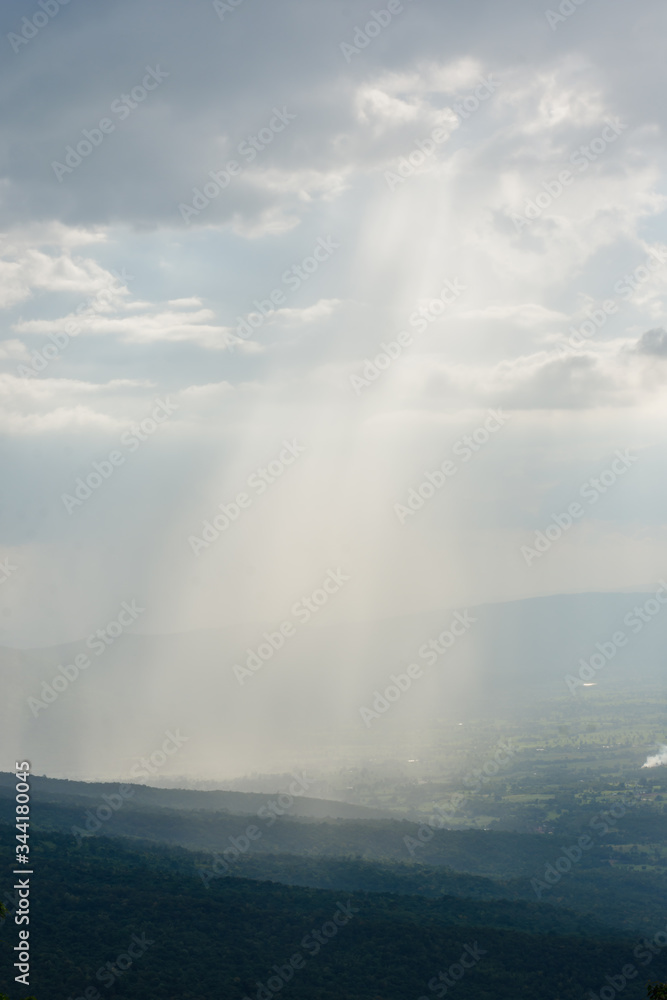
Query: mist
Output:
(385,371)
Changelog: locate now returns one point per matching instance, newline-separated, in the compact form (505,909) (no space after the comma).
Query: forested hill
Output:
(236,803)
(90,904)
(373,856)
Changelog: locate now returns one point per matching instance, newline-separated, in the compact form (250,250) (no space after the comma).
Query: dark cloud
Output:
(653,342)
(225,76)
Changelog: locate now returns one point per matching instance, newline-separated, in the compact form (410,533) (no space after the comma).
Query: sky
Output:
(413,334)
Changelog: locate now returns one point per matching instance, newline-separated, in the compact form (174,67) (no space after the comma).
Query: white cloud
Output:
(13,350)
(184,303)
(525,314)
(323,309)
(45,405)
(35,270)
(166,325)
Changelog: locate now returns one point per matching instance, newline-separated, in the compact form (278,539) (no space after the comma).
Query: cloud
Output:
(504,343)
(323,309)
(27,273)
(36,406)
(525,314)
(160,325)
(39,271)
(184,303)
(13,350)
(653,342)
(105,308)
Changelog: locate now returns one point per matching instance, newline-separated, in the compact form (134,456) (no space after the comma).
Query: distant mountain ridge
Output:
(307,696)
